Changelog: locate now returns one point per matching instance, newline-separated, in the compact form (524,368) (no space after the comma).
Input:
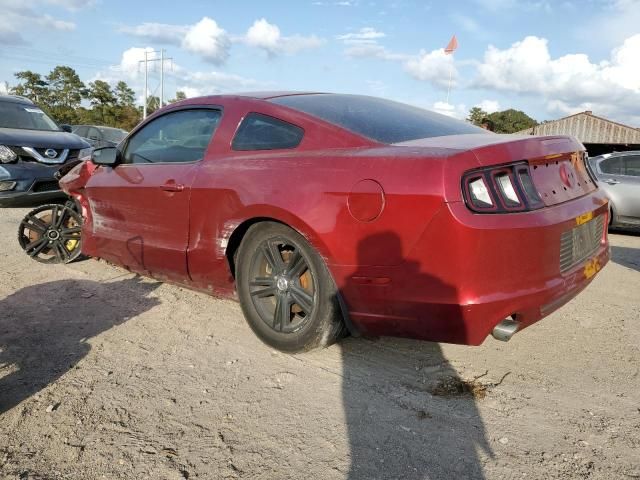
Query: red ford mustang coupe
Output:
(324,213)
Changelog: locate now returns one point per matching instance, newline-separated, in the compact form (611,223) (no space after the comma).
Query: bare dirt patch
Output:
(107,375)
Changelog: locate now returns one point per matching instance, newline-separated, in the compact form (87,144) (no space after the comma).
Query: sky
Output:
(547,58)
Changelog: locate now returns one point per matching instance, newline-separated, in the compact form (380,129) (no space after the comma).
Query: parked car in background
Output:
(32,148)
(618,175)
(100,136)
(328,211)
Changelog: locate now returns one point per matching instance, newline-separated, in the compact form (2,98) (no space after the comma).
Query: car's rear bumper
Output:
(469,272)
(34,183)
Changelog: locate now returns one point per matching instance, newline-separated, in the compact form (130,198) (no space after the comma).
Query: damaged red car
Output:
(328,213)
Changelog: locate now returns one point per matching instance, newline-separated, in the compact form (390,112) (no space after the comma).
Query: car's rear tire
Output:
(286,291)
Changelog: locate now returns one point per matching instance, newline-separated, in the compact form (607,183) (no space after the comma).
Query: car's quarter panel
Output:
(310,191)
(470,271)
(136,221)
(626,196)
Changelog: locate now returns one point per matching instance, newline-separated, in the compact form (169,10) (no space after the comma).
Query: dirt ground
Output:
(105,375)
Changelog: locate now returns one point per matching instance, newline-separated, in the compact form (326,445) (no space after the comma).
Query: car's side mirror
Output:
(106,156)
(66,128)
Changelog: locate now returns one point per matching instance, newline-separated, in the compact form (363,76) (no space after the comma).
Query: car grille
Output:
(579,243)
(47,186)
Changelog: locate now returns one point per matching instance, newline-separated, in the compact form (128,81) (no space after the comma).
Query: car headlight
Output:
(85,153)
(4,173)
(7,155)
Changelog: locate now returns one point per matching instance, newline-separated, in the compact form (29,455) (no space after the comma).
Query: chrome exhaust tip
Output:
(505,329)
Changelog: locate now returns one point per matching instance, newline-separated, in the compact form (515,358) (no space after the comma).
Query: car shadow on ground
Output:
(626,256)
(44,329)
(409,415)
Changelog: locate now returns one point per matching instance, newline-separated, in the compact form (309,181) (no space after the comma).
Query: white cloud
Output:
(4,88)
(489,106)
(444,108)
(197,84)
(208,40)
(364,34)
(364,44)
(435,67)
(73,4)
(267,36)
(15,15)
(193,83)
(526,5)
(571,80)
(157,32)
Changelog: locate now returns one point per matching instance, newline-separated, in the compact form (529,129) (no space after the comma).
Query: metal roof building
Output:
(598,134)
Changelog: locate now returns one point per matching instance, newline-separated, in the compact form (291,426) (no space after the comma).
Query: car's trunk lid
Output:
(557,163)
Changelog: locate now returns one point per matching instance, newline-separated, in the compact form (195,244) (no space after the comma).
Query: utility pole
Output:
(146,85)
(161,77)
(146,77)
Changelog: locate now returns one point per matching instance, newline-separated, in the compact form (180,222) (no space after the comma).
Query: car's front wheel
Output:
(286,291)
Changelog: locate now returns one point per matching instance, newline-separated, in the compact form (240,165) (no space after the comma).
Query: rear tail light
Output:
(503,189)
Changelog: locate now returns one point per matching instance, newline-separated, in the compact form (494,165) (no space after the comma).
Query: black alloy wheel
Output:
(281,285)
(285,289)
(51,234)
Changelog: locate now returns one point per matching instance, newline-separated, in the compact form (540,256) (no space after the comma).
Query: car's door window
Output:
(611,166)
(261,132)
(632,165)
(81,131)
(176,137)
(94,134)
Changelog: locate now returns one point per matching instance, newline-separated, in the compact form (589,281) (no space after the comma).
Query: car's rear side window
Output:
(262,132)
(381,120)
(612,166)
(632,165)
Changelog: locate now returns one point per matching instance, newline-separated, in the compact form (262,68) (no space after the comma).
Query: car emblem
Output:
(50,153)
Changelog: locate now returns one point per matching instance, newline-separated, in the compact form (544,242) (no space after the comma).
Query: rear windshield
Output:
(25,116)
(376,118)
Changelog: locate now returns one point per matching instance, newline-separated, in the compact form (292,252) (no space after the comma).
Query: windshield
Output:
(114,135)
(376,118)
(25,116)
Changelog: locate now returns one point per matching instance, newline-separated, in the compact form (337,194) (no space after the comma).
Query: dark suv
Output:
(32,148)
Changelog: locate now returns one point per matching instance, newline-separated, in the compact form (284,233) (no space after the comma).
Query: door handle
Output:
(612,182)
(172,186)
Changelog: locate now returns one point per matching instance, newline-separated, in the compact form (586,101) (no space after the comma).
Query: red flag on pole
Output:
(451,46)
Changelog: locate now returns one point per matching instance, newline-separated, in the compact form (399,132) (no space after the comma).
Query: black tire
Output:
(51,234)
(270,289)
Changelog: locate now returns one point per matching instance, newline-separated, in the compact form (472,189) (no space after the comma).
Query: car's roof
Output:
(616,154)
(98,126)
(266,95)
(15,99)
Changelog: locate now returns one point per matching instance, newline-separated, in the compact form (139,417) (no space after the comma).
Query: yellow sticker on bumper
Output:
(591,268)
(584,218)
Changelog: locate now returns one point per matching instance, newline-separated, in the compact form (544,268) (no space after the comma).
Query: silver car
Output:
(618,175)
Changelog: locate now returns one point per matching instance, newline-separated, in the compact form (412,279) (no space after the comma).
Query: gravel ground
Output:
(108,375)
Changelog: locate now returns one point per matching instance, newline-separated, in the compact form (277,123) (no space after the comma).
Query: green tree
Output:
(103,101)
(476,115)
(32,86)
(125,96)
(153,104)
(65,93)
(511,121)
(180,95)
